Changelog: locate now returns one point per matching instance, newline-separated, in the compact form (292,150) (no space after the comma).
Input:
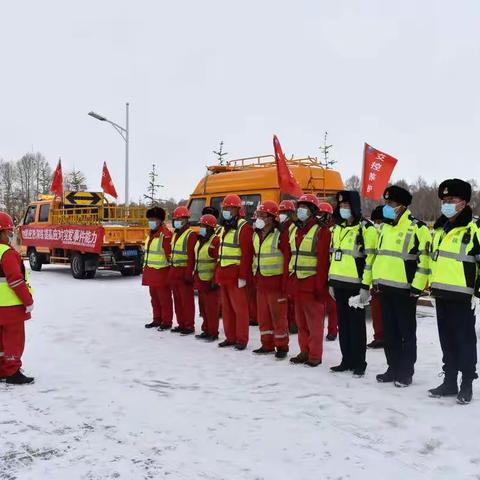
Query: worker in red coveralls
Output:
(251,286)
(206,256)
(270,268)
(308,269)
(157,254)
(16,304)
(326,218)
(181,271)
(376,310)
(286,217)
(234,272)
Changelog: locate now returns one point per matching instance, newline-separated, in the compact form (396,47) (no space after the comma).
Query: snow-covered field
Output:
(114,400)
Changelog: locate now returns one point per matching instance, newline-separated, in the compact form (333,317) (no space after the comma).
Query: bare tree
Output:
(75,181)
(152,187)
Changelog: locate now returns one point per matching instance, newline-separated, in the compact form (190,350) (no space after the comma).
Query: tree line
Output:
(425,204)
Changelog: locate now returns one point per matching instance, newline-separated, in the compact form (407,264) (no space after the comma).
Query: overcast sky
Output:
(403,76)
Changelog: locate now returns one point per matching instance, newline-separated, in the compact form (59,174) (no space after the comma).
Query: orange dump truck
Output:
(84,232)
(254,179)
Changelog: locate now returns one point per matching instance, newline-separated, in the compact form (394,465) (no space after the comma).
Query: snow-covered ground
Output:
(114,400)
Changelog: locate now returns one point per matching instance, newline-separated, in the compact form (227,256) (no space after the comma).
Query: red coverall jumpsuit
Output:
(311,294)
(157,281)
(12,319)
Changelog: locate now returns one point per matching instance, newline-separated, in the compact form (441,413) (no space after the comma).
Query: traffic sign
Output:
(86,199)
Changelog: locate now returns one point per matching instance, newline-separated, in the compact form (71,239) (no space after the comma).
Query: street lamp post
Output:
(125,133)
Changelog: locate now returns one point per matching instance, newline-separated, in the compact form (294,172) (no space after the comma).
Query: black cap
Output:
(398,194)
(454,187)
(210,211)
(156,212)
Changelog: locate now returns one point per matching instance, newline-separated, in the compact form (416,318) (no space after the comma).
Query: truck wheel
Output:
(90,274)
(77,266)
(35,260)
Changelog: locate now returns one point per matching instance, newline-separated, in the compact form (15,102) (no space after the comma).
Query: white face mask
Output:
(283,217)
(303,213)
(260,223)
(178,224)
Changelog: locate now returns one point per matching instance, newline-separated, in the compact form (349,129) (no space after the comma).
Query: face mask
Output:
(449,209)
(389,212)
(303,214)
(178,224)
(345,213)
(203,231)
(226,214)
(260,223)
(152,224)
(283,217)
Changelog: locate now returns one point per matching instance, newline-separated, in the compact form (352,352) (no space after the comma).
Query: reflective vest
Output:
(204,263)
(352,253)
(155,255)
(179,248)
(450,260)
(292,231)
(403,259)
(230,251)
(268,259)
(303,262)
(8,297)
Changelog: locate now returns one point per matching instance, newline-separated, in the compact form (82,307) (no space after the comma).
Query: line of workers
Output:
(298,257)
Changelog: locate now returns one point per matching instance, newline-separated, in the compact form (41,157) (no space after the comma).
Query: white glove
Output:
(29,308)
(241,283)
(365,296)
(354,302)
(476,306)
(331,291)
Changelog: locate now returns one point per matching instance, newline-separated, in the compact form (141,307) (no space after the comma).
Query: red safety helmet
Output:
(310,199)
(181,212)
(232,200)
(286,206)
(269,206)
(208,219)
(6,222)
(325,208)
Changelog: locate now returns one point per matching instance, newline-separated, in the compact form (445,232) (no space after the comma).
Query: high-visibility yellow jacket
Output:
(155,256)
(268,259)
(204,263)
(179,248)
(303,261)
(455,260)
(402,260)
(230,251)
(8,297)
(353,251)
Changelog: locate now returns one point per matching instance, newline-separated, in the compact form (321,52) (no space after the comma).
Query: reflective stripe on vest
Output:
(303,262)
(268,259)
(155,255)
(204,263)
(230,251)
(449,254)
(8,297)
(179,249)
(345,250)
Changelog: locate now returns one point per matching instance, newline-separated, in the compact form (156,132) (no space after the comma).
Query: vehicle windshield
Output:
(196,206)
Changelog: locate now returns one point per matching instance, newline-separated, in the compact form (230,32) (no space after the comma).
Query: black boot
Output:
(186,331)
(465,394)
(302,357)
(211,339)
(226,343)
(161,328)
(448,388)
(387,377)
(359,372)
(331,337)
(152,325)
(176,329)
(280,354)
(263,351)
(340,368)
(375,344)
(240,346)
(203,336)
(19,378)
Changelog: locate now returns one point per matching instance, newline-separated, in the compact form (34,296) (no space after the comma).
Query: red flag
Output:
(286,180)
(377,170)
(107,183)
(57,181)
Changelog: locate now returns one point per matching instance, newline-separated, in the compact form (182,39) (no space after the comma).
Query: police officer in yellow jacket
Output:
(400,273)
(353,244)
(455,285)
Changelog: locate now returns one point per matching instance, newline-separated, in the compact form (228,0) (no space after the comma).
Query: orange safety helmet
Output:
(208,219)
(286,206)
(232,200)
(269,206)
(310,199)
(181,212)
(325,207)
(6,222)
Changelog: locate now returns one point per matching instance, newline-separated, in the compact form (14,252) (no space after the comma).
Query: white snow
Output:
(114,400)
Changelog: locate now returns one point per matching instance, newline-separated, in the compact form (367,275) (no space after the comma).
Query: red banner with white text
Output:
(377,170)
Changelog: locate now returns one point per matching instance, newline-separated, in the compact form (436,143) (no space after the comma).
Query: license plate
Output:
(130,253)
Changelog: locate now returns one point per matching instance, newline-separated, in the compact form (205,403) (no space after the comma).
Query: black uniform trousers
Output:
(458,339)
(399,315)
(352,330)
